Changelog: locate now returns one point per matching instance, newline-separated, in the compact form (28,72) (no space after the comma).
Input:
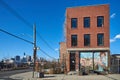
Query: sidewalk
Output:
(28,76)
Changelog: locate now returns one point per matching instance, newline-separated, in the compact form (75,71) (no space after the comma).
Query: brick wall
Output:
(62,52)
(77,61)
(92,12)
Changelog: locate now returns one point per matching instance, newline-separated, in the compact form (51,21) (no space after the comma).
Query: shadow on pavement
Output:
(9,79)
(110,77)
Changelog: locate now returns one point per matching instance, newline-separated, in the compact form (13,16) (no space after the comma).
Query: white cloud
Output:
(56,49)
(115,53)
(113,15)
(117,36)
(114,39)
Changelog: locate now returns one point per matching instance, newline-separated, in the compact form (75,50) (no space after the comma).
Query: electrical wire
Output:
(15,13)
(46,42)
(47,54)
(16,36)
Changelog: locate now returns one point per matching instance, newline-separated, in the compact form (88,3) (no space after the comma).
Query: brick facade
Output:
(93,30)
(62,52)
(77,61)
(92,12)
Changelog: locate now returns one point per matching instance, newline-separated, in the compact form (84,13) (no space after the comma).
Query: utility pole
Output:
(34,48)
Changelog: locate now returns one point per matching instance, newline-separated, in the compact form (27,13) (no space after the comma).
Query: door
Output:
(72,61)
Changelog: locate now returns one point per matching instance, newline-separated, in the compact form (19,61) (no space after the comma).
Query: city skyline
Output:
(22,56)
(49,17)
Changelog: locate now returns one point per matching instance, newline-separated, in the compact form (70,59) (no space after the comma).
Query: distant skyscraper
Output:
(28,58)
(24,59)
(24,53)
(17,58)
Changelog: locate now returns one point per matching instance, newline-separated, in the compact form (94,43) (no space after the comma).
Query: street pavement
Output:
(28,76)
(5,75)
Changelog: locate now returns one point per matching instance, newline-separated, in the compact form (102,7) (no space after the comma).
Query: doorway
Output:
(72,61)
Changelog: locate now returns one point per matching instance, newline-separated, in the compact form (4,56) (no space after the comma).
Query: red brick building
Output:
(87,37)
(62,53)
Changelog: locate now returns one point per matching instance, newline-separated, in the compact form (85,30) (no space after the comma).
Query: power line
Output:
(47,54)
(15,13)
(24,21)
(16,36)
(46,42)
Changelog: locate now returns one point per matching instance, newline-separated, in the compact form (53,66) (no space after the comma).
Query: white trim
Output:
(87,49)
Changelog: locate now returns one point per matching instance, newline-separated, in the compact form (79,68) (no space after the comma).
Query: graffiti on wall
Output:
(100,60)
(86,59)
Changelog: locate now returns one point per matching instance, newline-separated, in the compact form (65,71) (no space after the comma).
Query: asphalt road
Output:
(6,74)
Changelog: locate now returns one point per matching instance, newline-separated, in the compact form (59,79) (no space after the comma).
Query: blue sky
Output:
(49,16)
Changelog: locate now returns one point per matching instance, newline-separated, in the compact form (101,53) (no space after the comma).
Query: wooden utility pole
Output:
(34,48)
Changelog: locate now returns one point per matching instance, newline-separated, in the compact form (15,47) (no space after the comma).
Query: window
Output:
(86,22)
(73,40)
(86,39)
(74,23)
(100,39)
(100,21)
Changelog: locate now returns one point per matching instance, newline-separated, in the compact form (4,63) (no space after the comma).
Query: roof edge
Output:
(88,5)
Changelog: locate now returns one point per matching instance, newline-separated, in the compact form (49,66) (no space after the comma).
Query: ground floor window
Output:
(97,61)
